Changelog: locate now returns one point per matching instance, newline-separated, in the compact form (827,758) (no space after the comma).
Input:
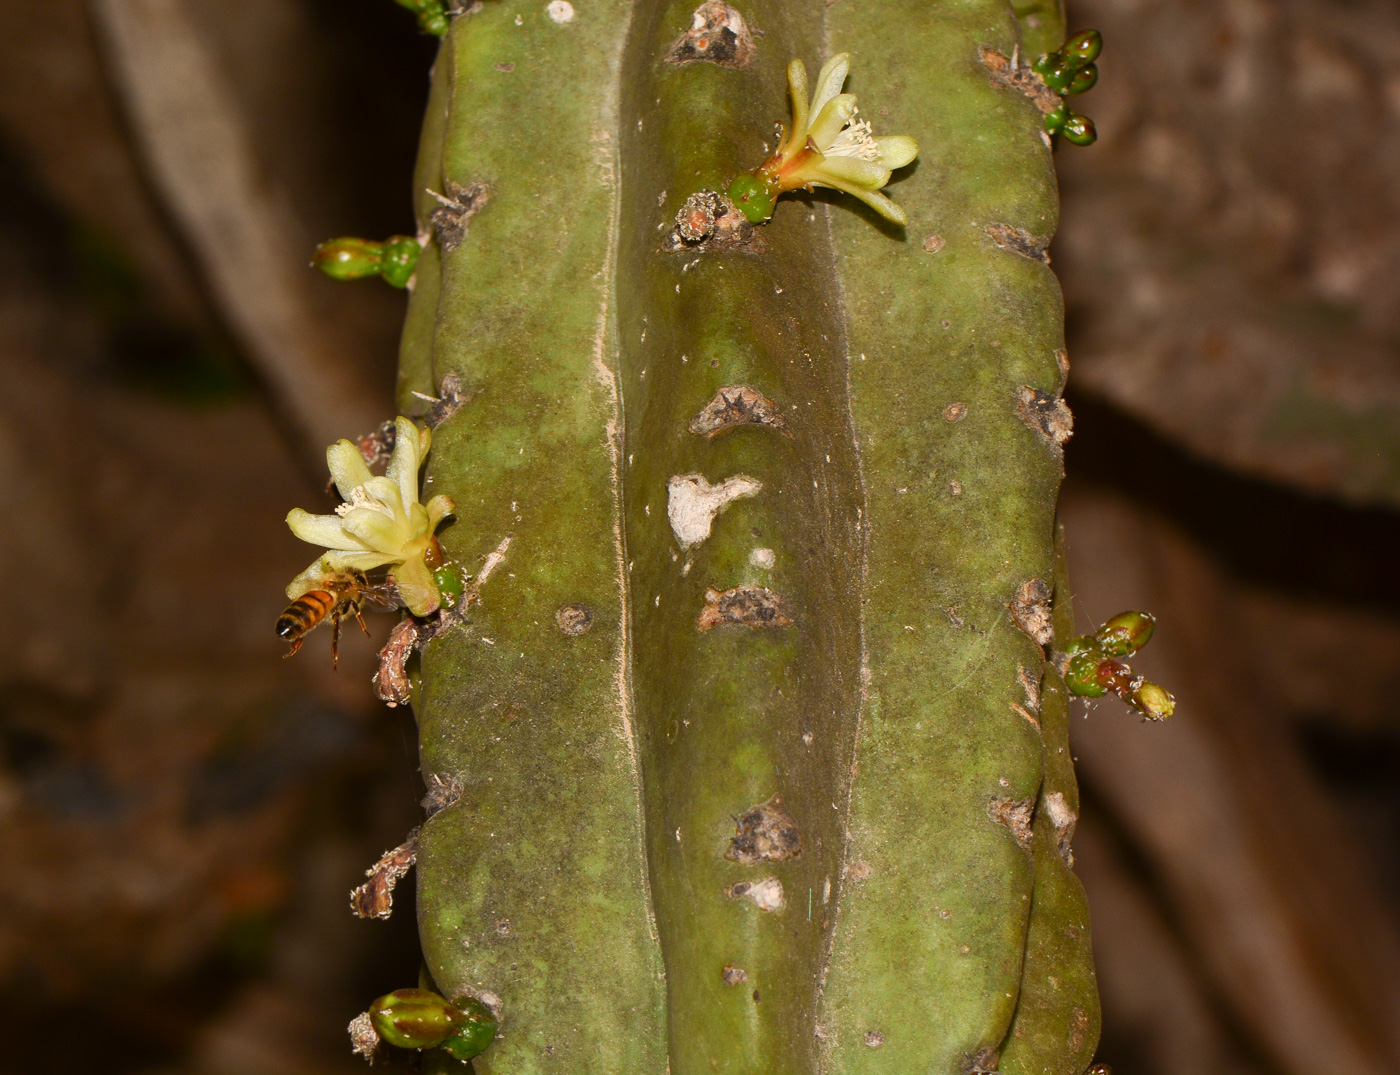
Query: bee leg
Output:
(360,619)
(295,646)
(335,642)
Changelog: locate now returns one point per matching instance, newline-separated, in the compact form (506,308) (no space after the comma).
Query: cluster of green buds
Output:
(1093,666)
(419,1019)
(1069,72)
(354,259)
(826,146)
(432,15)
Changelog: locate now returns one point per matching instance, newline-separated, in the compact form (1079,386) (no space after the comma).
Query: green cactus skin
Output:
(1057,1018)
(533,885)
(722,714)
(582,875)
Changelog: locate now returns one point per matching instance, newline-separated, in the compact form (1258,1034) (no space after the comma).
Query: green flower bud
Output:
(1057,75)
(1056,120)
(1082,676)
(415,1018)
(432,15)
(1049,62)
(354,259)
(1154,702)
(1082,644)
(400,259)
(349,258)
(753,197)
(1083,80)
(1117,677)
(1125,634)
(476,1032)
(449,584)
(1079,130)
(1083,48)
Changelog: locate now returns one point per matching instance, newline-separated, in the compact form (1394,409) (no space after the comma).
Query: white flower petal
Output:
(377,532)
(324,530)
(407,460)
(834,115)
(882,205)
(416,586)
(830,80)
(797,86)
(308,580)
(439,508)
(386,492)
(347,467)
(897,150)
(356,561)
(868,175)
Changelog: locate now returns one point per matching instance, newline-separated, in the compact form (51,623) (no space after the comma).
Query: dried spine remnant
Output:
(982,1062)
(1045,415)
(765,833)
(1030,608)
(364,1039)
(717,34)
(1015,814)
(1019,241)
(455,211)
(743,606)
(375,898)
(767,895)
(710,221)
(732,975)
(692,503)
(574,619)
(737,405)
(1005,71)
(874,1039)
(1064,821)
(391,682)
(443,791)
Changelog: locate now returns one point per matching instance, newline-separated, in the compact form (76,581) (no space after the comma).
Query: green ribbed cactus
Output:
(746,752)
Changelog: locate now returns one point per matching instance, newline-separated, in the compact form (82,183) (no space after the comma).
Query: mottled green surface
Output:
(1056,1025)
(533,886)
(604,772)
(722,715)
(929,946)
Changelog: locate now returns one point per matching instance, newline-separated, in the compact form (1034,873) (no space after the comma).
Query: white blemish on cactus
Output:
(763,558)
(767,894)
(561,11)
(692,503)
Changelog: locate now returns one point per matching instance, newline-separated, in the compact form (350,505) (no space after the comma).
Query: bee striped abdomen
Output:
(304,613)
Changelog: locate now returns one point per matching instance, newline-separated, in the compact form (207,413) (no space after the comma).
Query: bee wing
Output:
(381,597)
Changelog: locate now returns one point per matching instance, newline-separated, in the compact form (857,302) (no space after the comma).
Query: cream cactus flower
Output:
(827,146)
(381,521)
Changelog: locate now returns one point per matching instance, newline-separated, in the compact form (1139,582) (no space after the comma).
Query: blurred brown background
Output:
(182,813)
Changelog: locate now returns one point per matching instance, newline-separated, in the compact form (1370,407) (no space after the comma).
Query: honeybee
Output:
(342,593)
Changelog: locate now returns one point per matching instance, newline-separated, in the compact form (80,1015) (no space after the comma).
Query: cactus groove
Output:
(750,797)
